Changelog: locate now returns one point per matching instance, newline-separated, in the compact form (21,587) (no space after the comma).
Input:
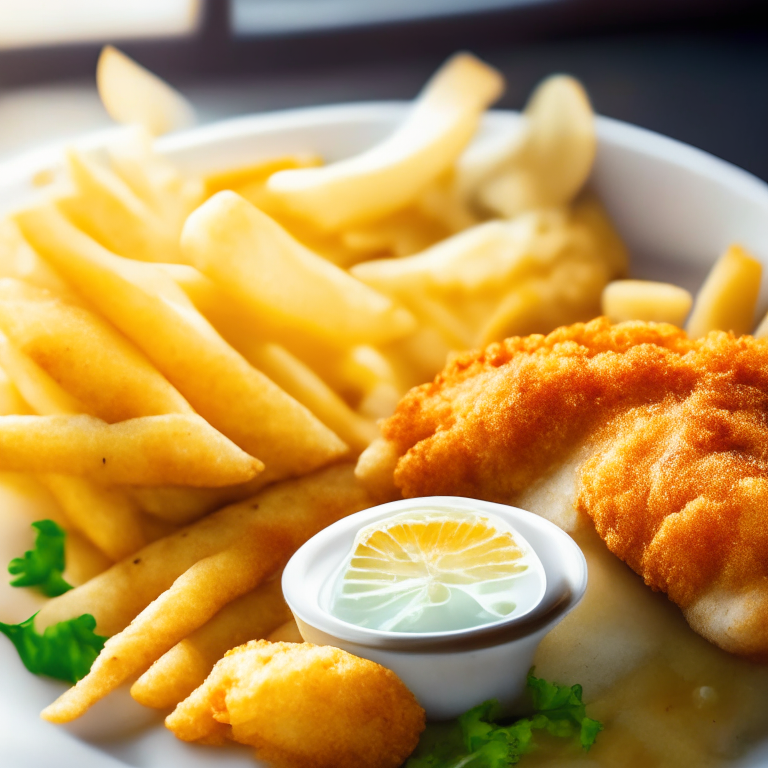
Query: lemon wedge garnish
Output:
(436,570)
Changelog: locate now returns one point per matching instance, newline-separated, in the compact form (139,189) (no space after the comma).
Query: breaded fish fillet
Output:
(660,439)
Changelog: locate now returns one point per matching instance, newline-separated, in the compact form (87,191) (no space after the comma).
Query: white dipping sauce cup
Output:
(448,672)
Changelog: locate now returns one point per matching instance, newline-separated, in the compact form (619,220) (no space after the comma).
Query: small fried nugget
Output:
(303,706)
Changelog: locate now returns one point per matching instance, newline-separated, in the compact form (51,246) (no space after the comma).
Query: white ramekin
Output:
(448,672)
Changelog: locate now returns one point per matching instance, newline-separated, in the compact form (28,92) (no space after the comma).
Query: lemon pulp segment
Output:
(435,570)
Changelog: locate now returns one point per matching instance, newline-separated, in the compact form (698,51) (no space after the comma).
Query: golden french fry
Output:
(391,174)
(193,599)
(84,560)
(250,180)
(132,94)
(11,401)
(466,285)
(106,516)
(417,358)
(115,597)
(646,300)
(375,469)
(235,324)
(348,373)
(288,514)
(381,401)
(181,506)
(568,294)
(37,388)
(153,450)
(182,669)
(761,331)
(286,633)
(454,329)
(261,266)
(107,209)
(303,384)
(726,301)
(88,358)
(147,306)
(18,260)
(547,163)
(154,179)
(443,203)
(402,233)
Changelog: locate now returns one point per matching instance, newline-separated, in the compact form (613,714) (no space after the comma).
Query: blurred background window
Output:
(284,16)
(696,70)
(56,22)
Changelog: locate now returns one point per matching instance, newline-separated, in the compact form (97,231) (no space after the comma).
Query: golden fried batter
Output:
(303,706)
(671,440)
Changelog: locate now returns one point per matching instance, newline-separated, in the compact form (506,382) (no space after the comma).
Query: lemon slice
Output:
(437,570)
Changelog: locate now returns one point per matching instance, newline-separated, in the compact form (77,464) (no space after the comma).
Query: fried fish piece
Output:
(303,706)
(662,440)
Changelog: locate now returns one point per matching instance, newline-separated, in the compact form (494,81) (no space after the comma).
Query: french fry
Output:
(569,293)
(466,285)
(19,261)
(351,378)
(348,373)
(118,595)
(54,328)
(133,95)
(417,358)
(88,358)
(261,266)
(442,202)
(181,506)
(380,402)
(105,516)
(293,377)
(154,179)
(286,633)
(148,307)
(38,388)
(375,470)
(250,180)
(153,450)
(391,174)
(726,301)
(107,209)
(646,300)
(288,514)
(235,323)
(84,560)
(182,669)
(547,163)
(11,401)
(402,233)
(303,384)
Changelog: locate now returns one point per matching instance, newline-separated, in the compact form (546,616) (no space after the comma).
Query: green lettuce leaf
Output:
(42,566)
(478,740)
(64,651)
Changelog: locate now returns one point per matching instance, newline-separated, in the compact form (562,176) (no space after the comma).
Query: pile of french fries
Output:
(171,345)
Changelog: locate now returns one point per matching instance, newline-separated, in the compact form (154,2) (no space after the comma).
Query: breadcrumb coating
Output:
(303,706)
(675,471)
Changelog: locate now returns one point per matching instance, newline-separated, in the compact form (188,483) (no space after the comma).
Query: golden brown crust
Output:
(304,706)
(676,474)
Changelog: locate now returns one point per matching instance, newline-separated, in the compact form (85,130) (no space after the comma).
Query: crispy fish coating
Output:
(671,440)
(303,706)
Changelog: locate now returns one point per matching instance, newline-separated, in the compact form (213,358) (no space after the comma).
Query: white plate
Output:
(676,207)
